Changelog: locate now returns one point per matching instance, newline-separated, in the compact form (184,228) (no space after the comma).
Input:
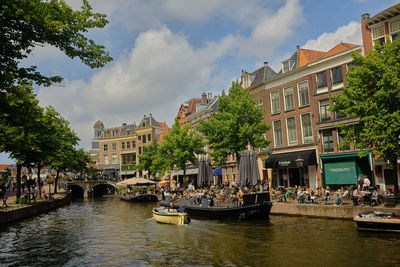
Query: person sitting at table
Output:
(282,197)
(342,195)
(365,196)
(356,196)
(327,195)
(240,197)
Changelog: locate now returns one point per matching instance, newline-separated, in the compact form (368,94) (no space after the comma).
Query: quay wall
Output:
(327,211)
(11,215)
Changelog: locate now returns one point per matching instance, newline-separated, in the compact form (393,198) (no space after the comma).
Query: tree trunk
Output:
(184,177)
(19,167)
(56,182)
(39,166)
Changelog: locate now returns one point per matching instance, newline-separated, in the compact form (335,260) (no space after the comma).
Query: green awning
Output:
(342,156)
(343,172)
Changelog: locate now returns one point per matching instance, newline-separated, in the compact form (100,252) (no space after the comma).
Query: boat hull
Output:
(170,217)
(139,198)
(382,222)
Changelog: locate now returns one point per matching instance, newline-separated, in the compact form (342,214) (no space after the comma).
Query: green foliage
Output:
(26,24)
(237,123)
(373,96)
(150,188)
(180,146)
(21,200)
(147,158)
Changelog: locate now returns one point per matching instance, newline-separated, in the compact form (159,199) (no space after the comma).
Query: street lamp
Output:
(299,163)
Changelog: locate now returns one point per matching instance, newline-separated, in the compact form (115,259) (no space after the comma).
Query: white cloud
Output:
(160,72)
(350,33)
(272,30)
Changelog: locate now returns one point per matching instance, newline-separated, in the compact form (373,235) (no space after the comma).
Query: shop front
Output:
(293,168)
(343,169)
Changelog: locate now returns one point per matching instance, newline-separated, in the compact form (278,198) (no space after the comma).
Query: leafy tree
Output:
(180,146)
(26,24)
(373,96)
(236,124)
(147,158)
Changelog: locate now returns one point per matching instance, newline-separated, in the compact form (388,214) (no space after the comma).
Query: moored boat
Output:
(378,221)
(161,215)
(255,206)
(139,197)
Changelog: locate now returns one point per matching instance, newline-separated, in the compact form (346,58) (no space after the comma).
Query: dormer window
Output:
(287,65)
(378,34)
(394,29)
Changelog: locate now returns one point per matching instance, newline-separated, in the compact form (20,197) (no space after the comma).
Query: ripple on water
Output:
(110,232)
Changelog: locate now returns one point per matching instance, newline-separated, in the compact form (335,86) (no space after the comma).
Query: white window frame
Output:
(114,158)
(105,159)
(298,93)
(273,133)
(284,97)
(374,38)
(105,147)
(391,31)
(337,85)
(319,111)
(113,146)
(287,131)
(302,129)
(279,103)
(322,89)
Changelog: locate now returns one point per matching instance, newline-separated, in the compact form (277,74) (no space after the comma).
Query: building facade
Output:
(304,134)
(380,28)
(116,149)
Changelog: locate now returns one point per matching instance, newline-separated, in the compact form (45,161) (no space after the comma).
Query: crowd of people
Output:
(226,193)
(362,193)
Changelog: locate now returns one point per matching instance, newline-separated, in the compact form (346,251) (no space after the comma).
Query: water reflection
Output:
(112,232)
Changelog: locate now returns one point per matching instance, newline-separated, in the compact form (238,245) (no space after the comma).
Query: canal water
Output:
(110,232)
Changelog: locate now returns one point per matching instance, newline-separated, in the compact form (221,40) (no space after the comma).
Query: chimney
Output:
(209,97)
(204,98)
(366,33)
(297,47)
(265,70)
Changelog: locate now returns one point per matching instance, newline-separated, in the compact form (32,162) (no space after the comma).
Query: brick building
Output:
(379,28)
(304,134)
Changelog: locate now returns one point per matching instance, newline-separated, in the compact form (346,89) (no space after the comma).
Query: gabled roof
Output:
(306,56)
(148,121)
(338,48)
(125,128)
(260,76)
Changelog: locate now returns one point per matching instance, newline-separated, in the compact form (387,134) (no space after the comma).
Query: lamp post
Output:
(29,185)
(299,163)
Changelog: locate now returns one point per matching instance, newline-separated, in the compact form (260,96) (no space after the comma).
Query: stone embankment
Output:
(15,212)
(327,211)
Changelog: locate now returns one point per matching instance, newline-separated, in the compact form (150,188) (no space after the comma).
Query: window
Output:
(288,98)
(144,139)
(114,146)
(128,145)
(139,139)
(105,147)
(324,114)
(140,150)
(394,29)
(114,159)
(307,128)
(278,140)
(133,144)
(275,105)
(260,103)
(123,159)
(340,140)
(123,145)
(321,80)
(105,159)
(285,67)
(149,137)
(291,129)
(339,115)
(304,98)
(378,34)
(327,141)
(337,75)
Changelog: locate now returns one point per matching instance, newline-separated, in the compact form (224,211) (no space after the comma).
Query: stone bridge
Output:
(80,189)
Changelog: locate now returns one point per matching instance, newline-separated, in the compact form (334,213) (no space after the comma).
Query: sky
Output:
(169,51)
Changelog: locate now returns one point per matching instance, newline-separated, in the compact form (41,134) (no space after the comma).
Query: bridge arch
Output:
(102,189)
(76,191)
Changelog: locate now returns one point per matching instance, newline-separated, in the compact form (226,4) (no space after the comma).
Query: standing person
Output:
(359,183)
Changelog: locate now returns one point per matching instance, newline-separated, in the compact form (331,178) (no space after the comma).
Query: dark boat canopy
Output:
(289,159)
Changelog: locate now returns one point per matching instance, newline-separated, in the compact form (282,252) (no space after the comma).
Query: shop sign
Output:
(284,163)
